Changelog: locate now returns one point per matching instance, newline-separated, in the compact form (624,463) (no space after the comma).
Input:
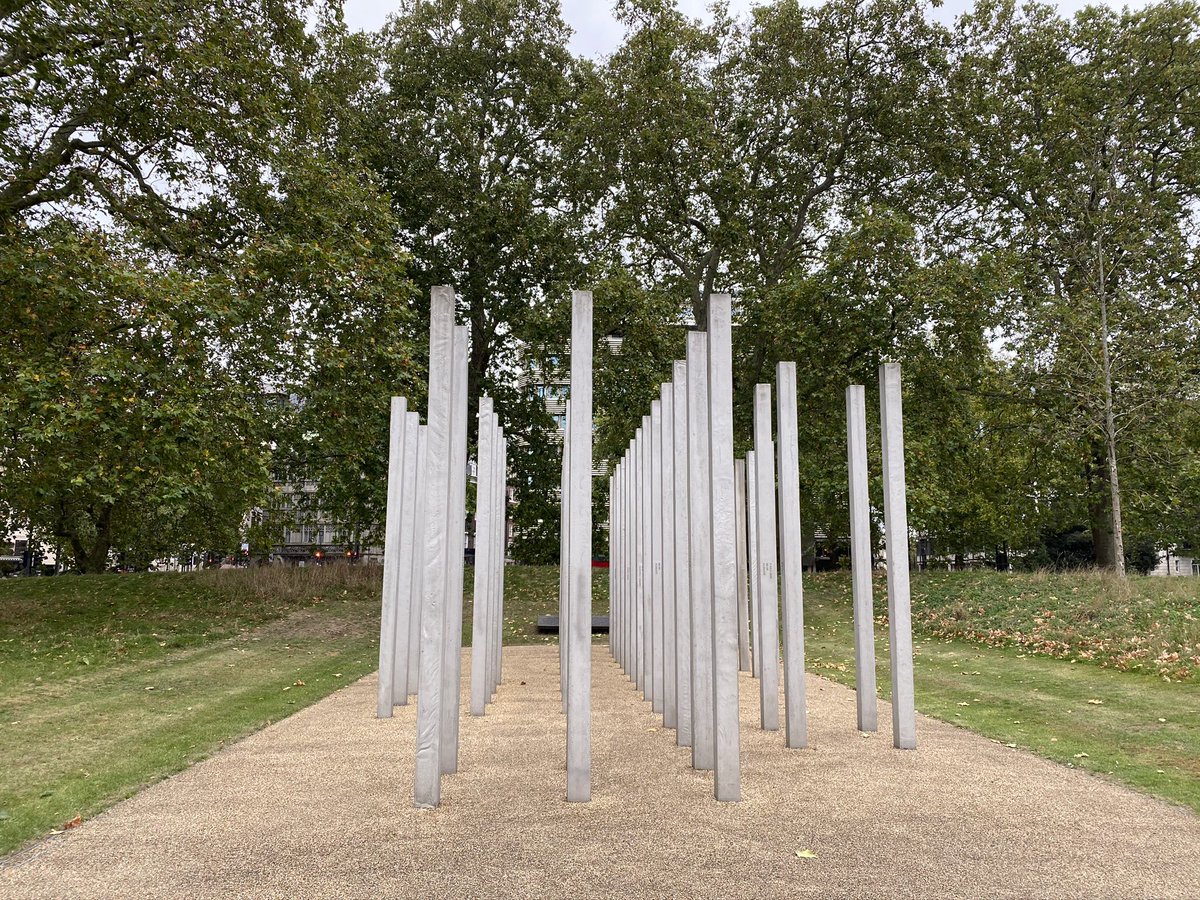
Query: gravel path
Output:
(319,805)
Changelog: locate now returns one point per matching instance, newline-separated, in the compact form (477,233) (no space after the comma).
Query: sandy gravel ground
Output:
(319,805)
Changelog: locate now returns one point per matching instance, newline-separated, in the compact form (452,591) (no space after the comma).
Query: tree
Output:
(727,151)
(159,114)
(323,291)
(467,135)
(215,146)
(124,429)
(1076,149)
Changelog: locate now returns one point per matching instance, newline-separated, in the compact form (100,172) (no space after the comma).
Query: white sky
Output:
(597,33)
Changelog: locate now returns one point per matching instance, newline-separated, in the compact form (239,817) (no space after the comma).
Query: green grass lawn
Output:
(108,683)
(111,682)
(1140,728)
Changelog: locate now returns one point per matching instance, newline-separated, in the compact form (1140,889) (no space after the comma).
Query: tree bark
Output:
(1100,512)
(1110,431)
(91,560)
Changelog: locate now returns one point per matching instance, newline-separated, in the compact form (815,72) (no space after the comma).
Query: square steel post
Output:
(427,781)
(628,649)
(645,442)
(452,658)
(614,589)
(670,697)
(389,614)
(495,556)
(656,551)
(564,566)
(616,560)
(743,565)
(768,553)
(631,551)
(700,550)
(501,539)
(579,681)
(860,559)
(895,517)
(683,597)
(756,641)
(638,597)
(726,733)
(481,611)
(791,556)
(417,566)
(495,560)
(404,672)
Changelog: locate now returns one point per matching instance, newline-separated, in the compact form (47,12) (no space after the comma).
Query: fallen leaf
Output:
(78,820)
(805,854)
(1095,702)
(1081,756)
(298,683)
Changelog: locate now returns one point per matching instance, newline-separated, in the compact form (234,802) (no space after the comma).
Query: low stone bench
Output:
(549,625)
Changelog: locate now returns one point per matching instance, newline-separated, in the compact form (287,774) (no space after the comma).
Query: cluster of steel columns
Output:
(768,514)
(420,645)
(689,526)
(487,619)
(673,555)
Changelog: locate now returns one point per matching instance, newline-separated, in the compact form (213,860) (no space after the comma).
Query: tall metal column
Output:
(579,705)
(700,571)
(728,769)
(895,517)
(791,556)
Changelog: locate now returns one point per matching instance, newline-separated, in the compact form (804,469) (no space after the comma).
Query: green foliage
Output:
(1008,207)
(160,114)
(1004,208)
(126,429)
(727,152)
(1133,625)
(257,267)
(1074,151)
(329,278)
(467,131)
(626,379)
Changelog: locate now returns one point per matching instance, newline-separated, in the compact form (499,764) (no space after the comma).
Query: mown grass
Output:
(1136,727)
(111,682)
(108,683)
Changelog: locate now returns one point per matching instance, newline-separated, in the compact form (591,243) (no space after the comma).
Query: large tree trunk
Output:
(1110,435)
(93,559)
(1100,513)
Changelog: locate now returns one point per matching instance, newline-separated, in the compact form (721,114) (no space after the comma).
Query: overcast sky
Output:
(597,33)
